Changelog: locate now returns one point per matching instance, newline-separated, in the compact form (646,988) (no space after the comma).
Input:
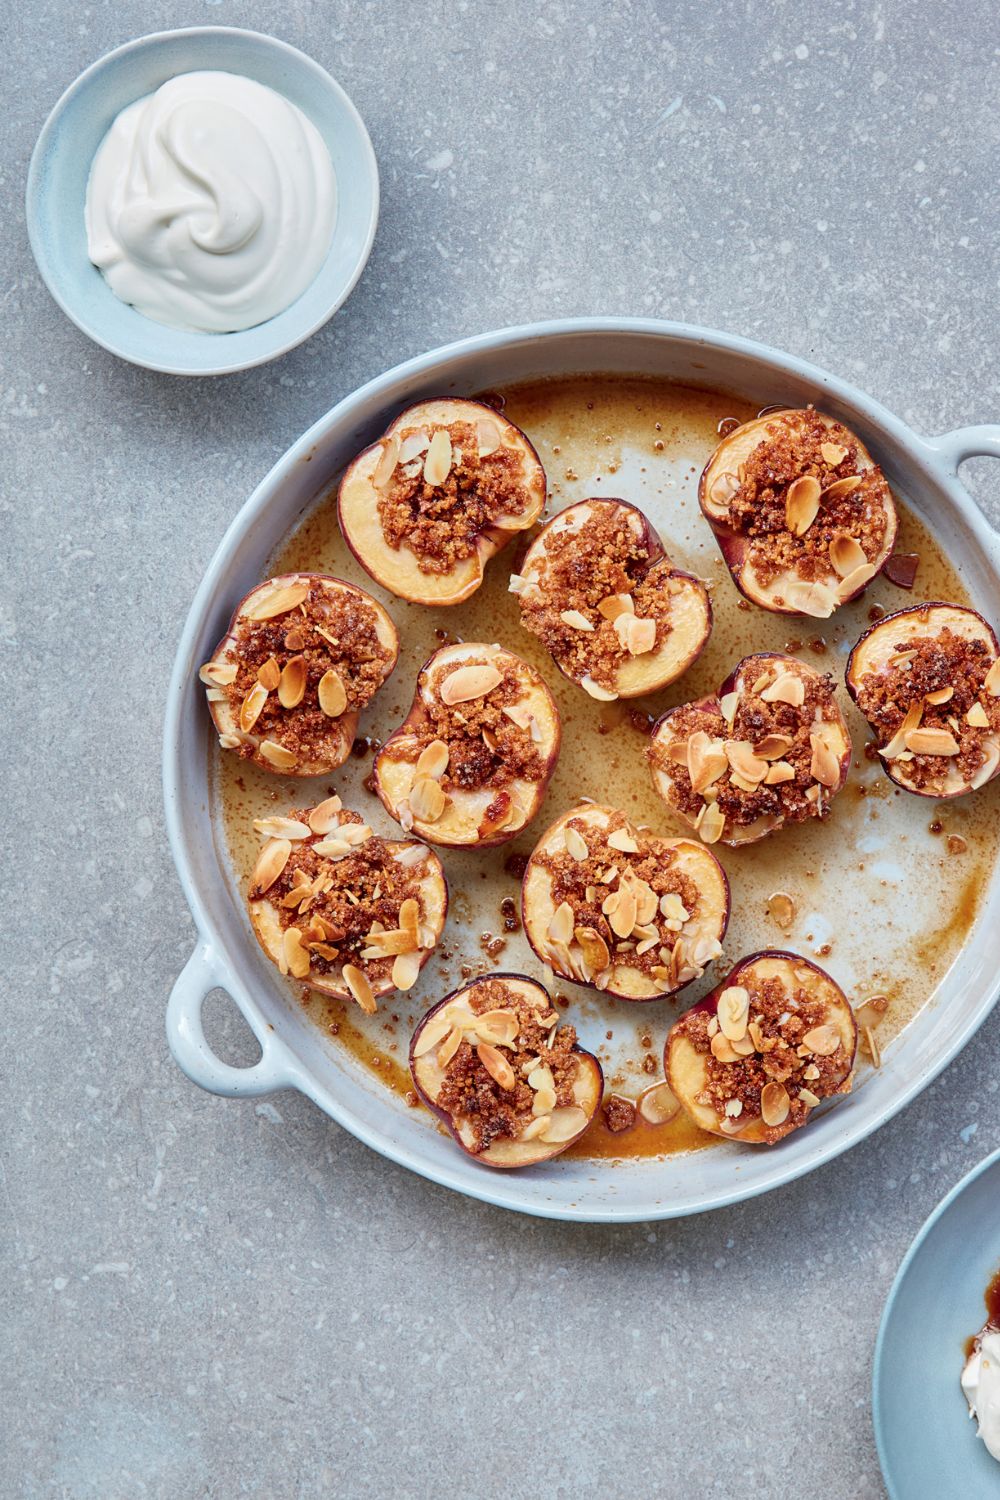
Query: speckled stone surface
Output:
(210,1299)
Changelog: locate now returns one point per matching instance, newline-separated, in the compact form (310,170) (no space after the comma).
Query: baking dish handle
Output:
(275,1069)
(953,448)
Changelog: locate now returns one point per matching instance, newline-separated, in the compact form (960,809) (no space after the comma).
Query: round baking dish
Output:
(293,1053)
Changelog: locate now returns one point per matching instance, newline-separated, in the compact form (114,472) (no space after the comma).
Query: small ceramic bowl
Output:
(57,188)
(927,1443)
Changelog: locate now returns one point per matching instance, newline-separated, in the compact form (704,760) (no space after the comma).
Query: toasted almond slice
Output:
(786,688)
(614,605)
(325,815)
(405,968)
(564,1124)
(773,746)
(277,755)
(357,982)
(594,949)
(977,717)
(281,828)
(781,908)
(594,689)
(292,682)
(427,800)
(250,708)
(732,1010)
(854,581)
(774,1104)
(437,464)
(809,1098)
(659,1104)
(576,844)
(811,598)
(435,1031)
(574,618)
(332,694)
(278,601)
(535,1127)
(467,683)
(413,445)
(802,504)
(386,466)
(433,760)
(722,1049)
(841,487)
(711,823)
(622,919)
(822,1040)
(724,488)
(750,767)
(269,675)
(706,759)
(488,437)
(623,840)
(833,454)
(728,704)
(672,907)
(897,744)
(932,742)
(295,955)
(824,767)
(991,681)
(218,673)
(387,944)
(449,1046)
(846,554)
(561,925)
(943,695)
(640,637)
(271,860)
(498,1027)
(521,583)
(496,1065)
(409,917)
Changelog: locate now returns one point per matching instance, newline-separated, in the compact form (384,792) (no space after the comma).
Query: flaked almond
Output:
(824,766)
(778,772)
(594,949)
(496,1065)
(855,581)
(561,925)
(833,454)
(614,605)
(773,746)
(467,683)
(325,815)
(706,759)
(433,1032)
(250,708)
(744,762)
(710,823)
(774,1104)
(269,675)
(811,598)
(564,1124)
(846,554)
(575,619)
(498,1027)
(822,1040)
(271,861)
(521,583)
(388,943)
(218,673)
(427,800)
(622,919)
(332,694)
(449,1046)
(728,704)
(595,690)
(281,828)
(781,909)
(977,717)
(911,721)
(640,636)
(841,487)
(433,760)
(292,682)
(992,680)
(722,1049)
(488,438)
(535,1128)
(386,466)
(623,840)
(576,844)
(723,489)
(357,982)
(277,755)
(786,688)
(802,504)
(413,445)
(732,1010)
(278,602)
(659,1104)
(932,742)
(808,1098)
(295,955)
(405,968)
(437,464)
(943,695)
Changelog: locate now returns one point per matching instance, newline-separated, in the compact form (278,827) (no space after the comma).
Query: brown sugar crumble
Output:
(440,521)
(574,597)
(619,1113)
(800,446)
(896,701)
(788,1042)
(540,1056)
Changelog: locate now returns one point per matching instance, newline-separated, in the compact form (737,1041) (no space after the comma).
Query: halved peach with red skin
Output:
(342,910)
(489,1041)
(820,523)
(927,679)
(774,716)
(619,909)
(598,588)
(303,654)
(753,1059)
(470,764)
(449,483)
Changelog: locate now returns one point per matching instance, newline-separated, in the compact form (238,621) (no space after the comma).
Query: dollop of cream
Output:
(981,1385)
(211,203)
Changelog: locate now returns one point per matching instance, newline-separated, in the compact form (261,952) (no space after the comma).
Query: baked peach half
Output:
(598,589)
(927,679)
(754,1058)
(470,763)
(770,747)
(302,657)
(446,486)
(341,909)
(620,909)
(509,1081)
(801,511)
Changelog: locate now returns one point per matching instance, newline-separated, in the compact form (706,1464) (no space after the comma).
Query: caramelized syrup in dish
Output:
(856,912)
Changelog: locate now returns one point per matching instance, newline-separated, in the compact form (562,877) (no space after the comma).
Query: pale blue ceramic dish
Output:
(60,166)
(927,1444)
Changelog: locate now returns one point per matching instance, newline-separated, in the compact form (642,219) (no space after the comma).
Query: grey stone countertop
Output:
(205,1298)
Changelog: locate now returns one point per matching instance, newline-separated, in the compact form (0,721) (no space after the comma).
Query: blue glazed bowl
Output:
(927,1443)
(57,187)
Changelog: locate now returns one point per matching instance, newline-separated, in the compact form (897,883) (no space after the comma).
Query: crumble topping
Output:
(769,749)
(808,530)
(587,597)
(770,1053)
(445,486)
(509,1067)
(910,726)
